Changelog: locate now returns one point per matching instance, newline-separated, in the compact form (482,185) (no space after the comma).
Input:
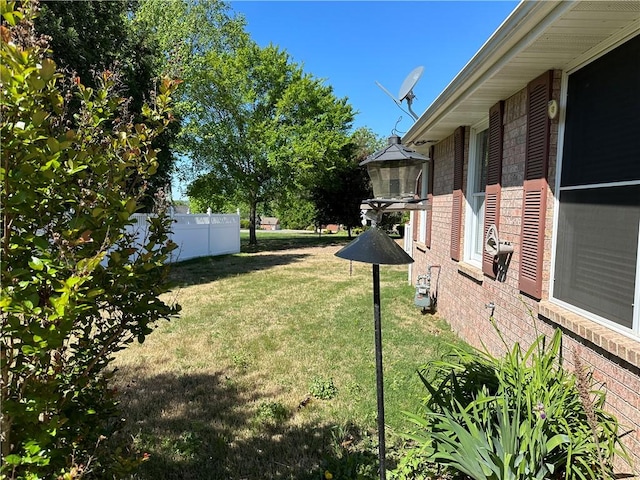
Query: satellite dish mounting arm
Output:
(397,102)
(410,96)
(406,90)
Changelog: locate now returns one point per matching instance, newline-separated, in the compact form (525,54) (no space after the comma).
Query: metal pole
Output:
(380,391)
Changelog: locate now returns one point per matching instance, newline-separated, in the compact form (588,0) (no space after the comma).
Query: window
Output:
(477,180)
(596,268)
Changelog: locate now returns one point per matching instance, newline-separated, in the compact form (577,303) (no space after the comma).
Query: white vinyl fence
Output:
(199,235)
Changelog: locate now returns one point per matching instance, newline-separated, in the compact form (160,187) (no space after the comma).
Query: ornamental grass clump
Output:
(522,416)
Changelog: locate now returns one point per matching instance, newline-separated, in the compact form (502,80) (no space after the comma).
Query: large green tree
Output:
(263,127)
(188,33)
(90,37)
(295,210)
(86,37)
(255,126)
(339,192)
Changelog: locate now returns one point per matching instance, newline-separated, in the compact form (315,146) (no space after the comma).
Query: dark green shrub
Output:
(76,287)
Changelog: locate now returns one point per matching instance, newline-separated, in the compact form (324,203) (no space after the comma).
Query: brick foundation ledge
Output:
(621,346)
(472,272)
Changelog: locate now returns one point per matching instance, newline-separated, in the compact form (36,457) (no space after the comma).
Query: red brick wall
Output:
(463,291)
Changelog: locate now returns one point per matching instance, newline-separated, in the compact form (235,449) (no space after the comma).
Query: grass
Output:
(269,372)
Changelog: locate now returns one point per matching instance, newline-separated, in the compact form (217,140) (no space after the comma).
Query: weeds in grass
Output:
(272,413)
(322,388)
(186,445)
(241,360)
(353,455)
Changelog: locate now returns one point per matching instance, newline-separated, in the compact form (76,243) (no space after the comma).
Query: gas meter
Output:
(423,296)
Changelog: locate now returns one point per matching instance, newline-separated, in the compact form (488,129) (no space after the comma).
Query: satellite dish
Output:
(492,244)
(406,90)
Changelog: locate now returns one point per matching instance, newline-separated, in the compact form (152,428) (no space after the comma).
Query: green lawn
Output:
(227,389)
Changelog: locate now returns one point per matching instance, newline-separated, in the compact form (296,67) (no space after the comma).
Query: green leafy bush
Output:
(519,417)
(76,285)
(415,465)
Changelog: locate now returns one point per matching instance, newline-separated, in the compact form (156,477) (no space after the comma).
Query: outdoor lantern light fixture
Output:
(393,171)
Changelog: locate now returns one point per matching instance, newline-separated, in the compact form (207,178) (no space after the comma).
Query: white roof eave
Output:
(527,22)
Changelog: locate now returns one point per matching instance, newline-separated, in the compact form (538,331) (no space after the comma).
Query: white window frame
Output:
(424,191)
(471,218)
(634,332)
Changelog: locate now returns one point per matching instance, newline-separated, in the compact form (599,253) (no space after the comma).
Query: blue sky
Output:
(354,44)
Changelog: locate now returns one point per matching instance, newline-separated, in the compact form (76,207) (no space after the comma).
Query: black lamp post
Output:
(393,172)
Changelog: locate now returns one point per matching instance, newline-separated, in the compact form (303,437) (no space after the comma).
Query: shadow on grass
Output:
(272,241)
(205,426)
(209,269)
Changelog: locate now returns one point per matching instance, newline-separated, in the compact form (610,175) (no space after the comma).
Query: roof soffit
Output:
(537,36)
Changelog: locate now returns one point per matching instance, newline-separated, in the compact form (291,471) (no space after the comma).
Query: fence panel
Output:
(198,235)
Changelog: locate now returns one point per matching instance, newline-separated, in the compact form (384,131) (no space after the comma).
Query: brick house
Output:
(269,223)
(539,135)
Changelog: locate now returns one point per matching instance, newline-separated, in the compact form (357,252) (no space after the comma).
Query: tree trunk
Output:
(253,239)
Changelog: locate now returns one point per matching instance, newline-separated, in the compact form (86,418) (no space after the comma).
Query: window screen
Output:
(602,129)
(597,250)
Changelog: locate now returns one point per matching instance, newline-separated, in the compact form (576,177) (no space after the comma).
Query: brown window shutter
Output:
(430,198)
(456,225)
(456,212)
(532,249)
(458,162)
(494,179)
(535,185)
